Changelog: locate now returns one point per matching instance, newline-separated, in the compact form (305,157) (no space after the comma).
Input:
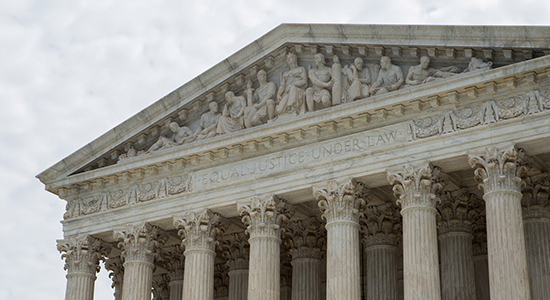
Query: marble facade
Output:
(327,162)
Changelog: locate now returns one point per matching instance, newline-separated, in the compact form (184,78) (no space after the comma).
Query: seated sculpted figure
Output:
(180,135)
(232,119)
(422,73)
(390,78)
(358,79)
(321,77)
(477,64)
(209,122)
(261,102)
(291,93)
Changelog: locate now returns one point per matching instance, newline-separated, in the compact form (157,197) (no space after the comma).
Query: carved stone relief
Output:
(162,188)
(480,114)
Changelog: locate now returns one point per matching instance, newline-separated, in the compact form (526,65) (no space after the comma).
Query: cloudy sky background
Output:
(71,70)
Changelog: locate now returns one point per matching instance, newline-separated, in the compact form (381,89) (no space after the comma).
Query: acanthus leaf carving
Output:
(341,201)
(140,242)
(382,225)
(161,290)
(83,253)
(116,267)
(200,229)
(457,211)
(265,215)
(535,201)
(174,261)
(237,251)
(417,186)
(305,238)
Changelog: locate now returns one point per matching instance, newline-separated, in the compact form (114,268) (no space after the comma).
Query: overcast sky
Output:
(71,70)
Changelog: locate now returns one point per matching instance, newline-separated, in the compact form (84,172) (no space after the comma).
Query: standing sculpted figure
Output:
(180,135)
(291,93)
(390,78)
(261,102)
(209,122)
(358,79)
(232,119)
(422,73)
(321,77)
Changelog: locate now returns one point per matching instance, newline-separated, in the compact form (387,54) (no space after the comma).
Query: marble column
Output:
(306,239)
(380,233)
(341,204)
(536,218)
(82,255)
(199,230)
(116,267)
(174,261)
(500,175)
(140,246)
(417,190)
(481,262)
(236,251)
(457,214)
(161,289)
(263,217)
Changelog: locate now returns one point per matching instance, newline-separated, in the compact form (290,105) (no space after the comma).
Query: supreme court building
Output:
(327,162)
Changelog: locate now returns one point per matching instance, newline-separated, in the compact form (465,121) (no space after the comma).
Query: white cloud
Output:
(71,70)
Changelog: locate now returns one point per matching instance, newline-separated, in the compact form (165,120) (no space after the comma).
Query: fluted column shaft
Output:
(176,289)
(238,284)
(537,241)
(199,230)
(263,218)
(420,260)
(500,175)
(418,189)
(138,279)
(306,279)
(457,266)
(82,255)
(381,272)
(198,282)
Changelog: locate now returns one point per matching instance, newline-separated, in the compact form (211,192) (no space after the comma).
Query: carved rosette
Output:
(500,170)
(417,186)
(457,212)
(382,225)
(341,201)
(306,238)
(140,243)
(265,215)
(535,201)
(237,251)
(174,262)
(161,290)
(199,229)
(82,254)
(116,267)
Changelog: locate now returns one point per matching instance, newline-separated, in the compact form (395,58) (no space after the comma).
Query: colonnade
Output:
(442,231)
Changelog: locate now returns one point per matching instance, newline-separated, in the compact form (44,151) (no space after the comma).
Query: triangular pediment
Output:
(500,53)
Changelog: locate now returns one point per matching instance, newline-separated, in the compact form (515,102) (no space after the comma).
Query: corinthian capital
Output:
(140,243)
(265,215)
(382,225)
(199,229)
(82,253)
(305,238)
(116,267)
(458,211)
(500,170)
(341,201)
(417,186)
(535,201)
(236,250)
(174,262)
